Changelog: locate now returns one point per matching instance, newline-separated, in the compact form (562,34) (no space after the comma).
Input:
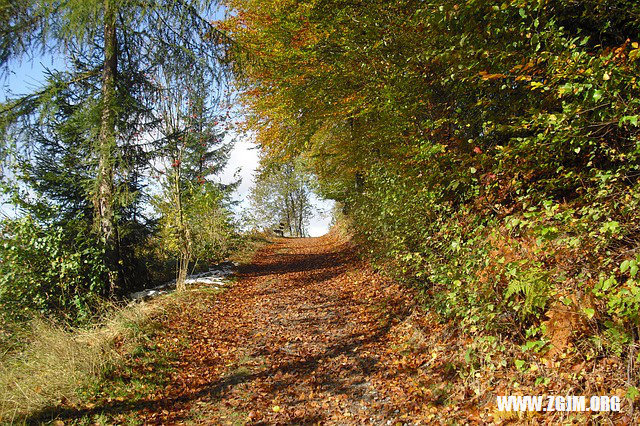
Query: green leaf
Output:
(590,312)
(597,95)
(608,283)
(624,266)
(632,393)
(611,227)
(631,119)
(542,380)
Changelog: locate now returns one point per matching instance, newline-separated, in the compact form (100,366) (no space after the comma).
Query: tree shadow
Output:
(282,263)
(322,315)
(295,370)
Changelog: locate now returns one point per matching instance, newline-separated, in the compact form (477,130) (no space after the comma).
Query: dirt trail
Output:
(302,337)
(300,340)
(308,334)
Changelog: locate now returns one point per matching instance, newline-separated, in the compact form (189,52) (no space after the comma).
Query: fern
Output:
(529,292)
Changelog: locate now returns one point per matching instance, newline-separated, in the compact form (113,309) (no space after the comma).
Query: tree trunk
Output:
(296,215)
(183,266)
(185,242)
(288,211)
(103,197)
(301,206)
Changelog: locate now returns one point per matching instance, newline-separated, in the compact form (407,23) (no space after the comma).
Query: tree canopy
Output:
(144,82)
(476,145)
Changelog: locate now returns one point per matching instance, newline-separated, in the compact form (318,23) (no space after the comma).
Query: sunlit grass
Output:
(57,362)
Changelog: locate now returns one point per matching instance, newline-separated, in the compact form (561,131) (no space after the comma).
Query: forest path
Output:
(300,338)
(308,334)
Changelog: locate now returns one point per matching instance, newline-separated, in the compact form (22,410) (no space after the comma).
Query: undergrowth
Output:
(55,363)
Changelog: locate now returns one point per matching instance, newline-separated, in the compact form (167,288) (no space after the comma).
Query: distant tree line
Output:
(280,198)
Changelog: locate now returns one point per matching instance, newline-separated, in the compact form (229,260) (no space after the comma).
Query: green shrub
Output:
(49,271)
(528,292)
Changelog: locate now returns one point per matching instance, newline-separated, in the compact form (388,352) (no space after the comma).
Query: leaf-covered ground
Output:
(301,337)
(307,334)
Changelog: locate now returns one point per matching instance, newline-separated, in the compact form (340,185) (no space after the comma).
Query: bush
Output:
(51,271)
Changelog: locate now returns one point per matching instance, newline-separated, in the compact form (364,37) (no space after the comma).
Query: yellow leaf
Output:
(276,408)
(635,45)
(536,85)
(606,76)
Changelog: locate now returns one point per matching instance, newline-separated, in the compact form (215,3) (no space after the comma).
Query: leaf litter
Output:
(310,334)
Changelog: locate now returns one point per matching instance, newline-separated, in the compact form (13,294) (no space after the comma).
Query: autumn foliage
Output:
(486,152)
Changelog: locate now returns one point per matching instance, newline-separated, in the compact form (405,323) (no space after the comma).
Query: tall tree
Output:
(190,152)
(281,193)
(127,44)
(103,195)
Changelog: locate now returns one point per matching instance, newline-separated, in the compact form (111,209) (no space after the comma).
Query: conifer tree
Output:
(116,50)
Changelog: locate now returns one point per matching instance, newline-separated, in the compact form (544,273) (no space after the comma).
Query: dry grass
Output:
(57,362)
(251,243)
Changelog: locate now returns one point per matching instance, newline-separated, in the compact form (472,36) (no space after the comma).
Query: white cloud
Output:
(243,162)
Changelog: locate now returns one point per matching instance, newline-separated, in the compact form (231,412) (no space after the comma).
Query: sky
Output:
(243,163)
(26,76)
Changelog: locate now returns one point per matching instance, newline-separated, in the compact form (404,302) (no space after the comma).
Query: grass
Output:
(104,375)
(57,362)
(146,370)
(53,366)
(250,245)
